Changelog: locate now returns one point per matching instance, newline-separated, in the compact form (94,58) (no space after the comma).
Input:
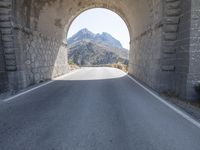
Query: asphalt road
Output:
(93,109)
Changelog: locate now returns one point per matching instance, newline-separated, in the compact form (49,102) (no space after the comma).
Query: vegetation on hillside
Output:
(89,49)
(73,66)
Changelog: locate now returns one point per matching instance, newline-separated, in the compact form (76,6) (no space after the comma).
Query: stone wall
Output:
(182,49)
(187,50)
(39,57)
(165,55)
(146,54)
(3,74)
(194,50)
(30,56)
(6,13)
(171,20)
(7,55)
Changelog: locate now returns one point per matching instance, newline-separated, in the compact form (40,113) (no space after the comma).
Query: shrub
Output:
(71,62)
(121,67)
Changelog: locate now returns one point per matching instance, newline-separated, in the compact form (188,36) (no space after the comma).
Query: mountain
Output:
(87,48)
(100,38)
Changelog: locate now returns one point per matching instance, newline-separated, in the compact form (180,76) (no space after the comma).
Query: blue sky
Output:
(100,20)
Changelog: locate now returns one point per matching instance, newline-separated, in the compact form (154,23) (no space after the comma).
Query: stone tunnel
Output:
(164,45)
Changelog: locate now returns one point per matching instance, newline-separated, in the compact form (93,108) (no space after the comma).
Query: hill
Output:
(87,48)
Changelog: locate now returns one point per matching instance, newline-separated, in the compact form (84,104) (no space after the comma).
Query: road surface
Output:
(93,109)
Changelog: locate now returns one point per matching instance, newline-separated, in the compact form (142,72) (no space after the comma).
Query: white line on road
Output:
(39,86)
(183,114)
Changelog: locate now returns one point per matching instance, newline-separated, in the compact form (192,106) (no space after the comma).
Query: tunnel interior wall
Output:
(39,29)
(187,50)
(183,48)
(39,57)
(146,55)
(3,74)
(194,51)
(6,55)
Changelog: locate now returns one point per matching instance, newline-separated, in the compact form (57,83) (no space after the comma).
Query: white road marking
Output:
(180,112)
(39,86)
(183,114)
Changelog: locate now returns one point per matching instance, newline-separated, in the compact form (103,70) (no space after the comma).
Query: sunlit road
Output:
(93,109)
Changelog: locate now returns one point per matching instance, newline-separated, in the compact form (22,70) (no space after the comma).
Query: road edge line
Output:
(39,86)
(178,111)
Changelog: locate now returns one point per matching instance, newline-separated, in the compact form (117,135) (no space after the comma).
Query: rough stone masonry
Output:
(164,46)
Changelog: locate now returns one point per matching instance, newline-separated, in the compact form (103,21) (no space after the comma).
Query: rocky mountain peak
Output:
(87,48)
(85,34)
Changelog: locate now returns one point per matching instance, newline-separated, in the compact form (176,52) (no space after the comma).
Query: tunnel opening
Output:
(98,37)
(34,42)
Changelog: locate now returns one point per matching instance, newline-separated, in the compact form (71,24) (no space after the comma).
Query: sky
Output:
(100,20)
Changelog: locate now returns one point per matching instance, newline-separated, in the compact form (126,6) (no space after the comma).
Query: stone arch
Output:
(33,32)
(119,13)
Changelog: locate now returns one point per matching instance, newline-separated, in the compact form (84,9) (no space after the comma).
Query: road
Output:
(93,109)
